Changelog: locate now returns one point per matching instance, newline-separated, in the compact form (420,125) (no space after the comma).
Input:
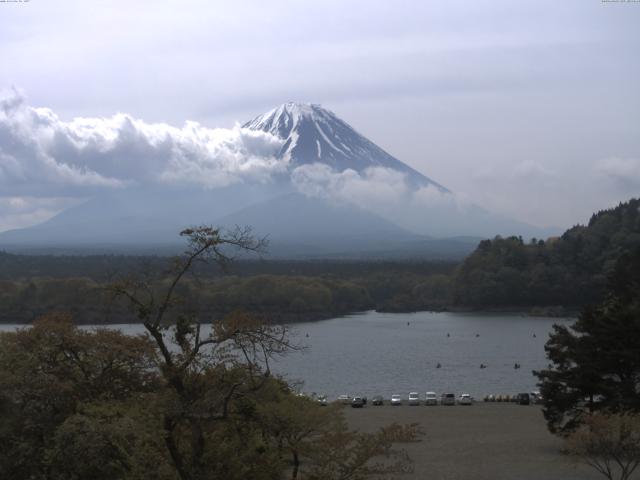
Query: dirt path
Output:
(492,441)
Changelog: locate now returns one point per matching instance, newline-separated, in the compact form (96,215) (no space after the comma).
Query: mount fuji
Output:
(313,134)
(313,207)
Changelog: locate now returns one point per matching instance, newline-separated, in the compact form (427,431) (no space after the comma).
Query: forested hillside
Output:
(504,273)
(295,293)
(570,271)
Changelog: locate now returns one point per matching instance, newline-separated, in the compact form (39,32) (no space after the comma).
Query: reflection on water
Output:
(384,353)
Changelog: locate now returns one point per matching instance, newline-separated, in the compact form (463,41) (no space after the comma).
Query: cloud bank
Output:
(385,192)
(624,173)
(47,163)
(376,188)
(42,155)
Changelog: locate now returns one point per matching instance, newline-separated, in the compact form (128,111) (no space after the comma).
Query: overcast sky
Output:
(528,108)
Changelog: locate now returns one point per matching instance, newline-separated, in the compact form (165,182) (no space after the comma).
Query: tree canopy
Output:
(570,270)
(179,403)
(596,362)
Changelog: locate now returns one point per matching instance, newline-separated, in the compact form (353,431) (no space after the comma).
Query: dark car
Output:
(377,400)
(357,402)
(524,399)
(448,399)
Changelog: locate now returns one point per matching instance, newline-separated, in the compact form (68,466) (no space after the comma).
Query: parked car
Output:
(396,400)
(344,399)
(377,400)
(448,399)
(431,398)
(524,399)
(357,402)
(465,399)
(414,398)
(536,397)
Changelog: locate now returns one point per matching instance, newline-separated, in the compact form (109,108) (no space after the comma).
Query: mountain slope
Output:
(298,225)
(324,220)
(313,134)
(297,217)
(136,217)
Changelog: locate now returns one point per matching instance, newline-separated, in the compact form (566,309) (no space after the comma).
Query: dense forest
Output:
(569,271)
(104,268)
(291,291)
(545,276)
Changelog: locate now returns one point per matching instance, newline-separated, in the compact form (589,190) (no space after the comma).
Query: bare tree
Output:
(218,384)
(204,373)
(609,443)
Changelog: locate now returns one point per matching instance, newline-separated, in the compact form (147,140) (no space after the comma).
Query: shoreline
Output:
(291,319)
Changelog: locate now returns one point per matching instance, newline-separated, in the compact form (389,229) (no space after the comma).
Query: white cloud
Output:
(375,186)
(19,212)
(530,170)
(622,172)
(383,191)
(42,155)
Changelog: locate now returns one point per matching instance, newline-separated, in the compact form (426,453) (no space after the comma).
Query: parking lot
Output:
(489,441)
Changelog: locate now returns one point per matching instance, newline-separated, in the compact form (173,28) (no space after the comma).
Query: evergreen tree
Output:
(596,361)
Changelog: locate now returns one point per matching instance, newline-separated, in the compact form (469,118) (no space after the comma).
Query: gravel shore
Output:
(492,441)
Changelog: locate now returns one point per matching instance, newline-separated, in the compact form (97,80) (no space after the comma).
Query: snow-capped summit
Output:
(283,119)
(314,134)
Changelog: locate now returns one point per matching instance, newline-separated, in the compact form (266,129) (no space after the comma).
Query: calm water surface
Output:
(378,353)
(384,353)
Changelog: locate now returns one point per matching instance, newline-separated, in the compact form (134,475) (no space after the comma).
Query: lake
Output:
(383,353)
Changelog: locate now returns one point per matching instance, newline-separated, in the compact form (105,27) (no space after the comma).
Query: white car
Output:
(396,400)
(431,398)
(465,399)
(414,398)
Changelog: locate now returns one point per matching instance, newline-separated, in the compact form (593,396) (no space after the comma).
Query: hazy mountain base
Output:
(298,227)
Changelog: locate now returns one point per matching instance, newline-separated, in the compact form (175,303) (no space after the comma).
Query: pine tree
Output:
(596,361)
